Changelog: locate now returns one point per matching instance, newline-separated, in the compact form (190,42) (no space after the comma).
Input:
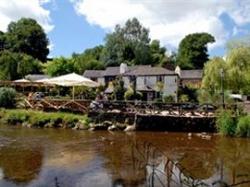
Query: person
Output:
(97,103)
(30,96)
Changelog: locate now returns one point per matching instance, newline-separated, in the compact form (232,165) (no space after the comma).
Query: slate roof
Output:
(148,70)
(35,77)
(93,73)
(191,74)
(138,70)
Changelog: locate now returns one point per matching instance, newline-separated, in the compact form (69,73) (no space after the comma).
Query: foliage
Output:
(8,65)
(243,126)
(17,65)
(40,119)
(119,89)
(226,123)
(59,66)
(7,97)
(131,95)
(84,92)
(192,52)
(128,44)
(188,93)
(212,75)
(157,52)
(238,61)
(168,99)
(183,98)
(27,36)
(236,72)
(27,65)
(89,60)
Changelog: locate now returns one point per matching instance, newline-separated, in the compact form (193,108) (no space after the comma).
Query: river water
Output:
(68,158)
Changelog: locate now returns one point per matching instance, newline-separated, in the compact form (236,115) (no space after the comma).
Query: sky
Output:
(75,25)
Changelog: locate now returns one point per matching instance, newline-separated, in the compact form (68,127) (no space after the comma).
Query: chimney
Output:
(123,68)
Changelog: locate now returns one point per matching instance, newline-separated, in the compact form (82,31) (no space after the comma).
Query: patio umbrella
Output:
(73,80)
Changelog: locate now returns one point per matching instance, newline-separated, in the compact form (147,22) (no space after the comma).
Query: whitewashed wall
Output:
(101,80)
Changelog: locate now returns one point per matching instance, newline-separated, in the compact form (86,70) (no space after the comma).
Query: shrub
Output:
(243,126)
(226,123)
(183,98)
(129,95)
(7,97)
(168,99)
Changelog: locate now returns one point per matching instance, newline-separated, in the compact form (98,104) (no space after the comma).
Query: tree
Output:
(157,52)
(8,65)
(17,65)
(238,61)
(192,52)
(129,44)
(211,81)
(27,65)
(27,36)
(89,60)
(59,66)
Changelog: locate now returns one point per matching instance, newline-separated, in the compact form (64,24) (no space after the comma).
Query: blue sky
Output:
(74,25)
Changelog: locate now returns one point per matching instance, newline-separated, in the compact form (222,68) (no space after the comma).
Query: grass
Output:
(41,119)
(243,126)
(226,123)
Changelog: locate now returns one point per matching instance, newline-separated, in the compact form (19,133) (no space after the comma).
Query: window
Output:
(160,78)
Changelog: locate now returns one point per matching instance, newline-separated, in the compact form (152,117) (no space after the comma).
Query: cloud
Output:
(168,20)
(12,10)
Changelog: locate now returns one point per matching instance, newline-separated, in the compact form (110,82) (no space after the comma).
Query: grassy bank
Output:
(32,118)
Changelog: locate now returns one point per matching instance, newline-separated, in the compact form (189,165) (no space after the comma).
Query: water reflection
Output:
(62,158)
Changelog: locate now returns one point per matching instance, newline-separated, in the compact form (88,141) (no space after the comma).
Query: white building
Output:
(150,81)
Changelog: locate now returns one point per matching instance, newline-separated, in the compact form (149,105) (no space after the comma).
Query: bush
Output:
(7,97)
(243,126)
(226,123)
(129,95)
(168,99)
(183,98)
(40,119)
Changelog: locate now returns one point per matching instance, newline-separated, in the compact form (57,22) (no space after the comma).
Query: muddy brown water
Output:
(68,158)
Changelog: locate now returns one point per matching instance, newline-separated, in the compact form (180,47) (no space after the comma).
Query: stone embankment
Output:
(151,122)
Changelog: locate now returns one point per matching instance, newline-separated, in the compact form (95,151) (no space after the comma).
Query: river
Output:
(68,158)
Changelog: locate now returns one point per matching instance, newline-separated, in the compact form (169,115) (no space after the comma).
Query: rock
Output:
(91,129)
(80,126)
(107,123)
(112,128)
(121,126)
(129,128)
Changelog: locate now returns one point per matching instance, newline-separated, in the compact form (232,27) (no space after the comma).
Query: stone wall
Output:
(158,122)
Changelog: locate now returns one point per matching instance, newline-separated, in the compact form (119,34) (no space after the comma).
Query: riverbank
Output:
(105,121)
(39,119)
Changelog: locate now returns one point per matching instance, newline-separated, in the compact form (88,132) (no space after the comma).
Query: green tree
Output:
(211,81)
(17,65)
(86,61)
(27,36)
(192,52)
(2,41)
(27,65)
(129,44)
(59,66)
(157,52)
(238,61)
(8,65)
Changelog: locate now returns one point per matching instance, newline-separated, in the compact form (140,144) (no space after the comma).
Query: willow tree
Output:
(238,61)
